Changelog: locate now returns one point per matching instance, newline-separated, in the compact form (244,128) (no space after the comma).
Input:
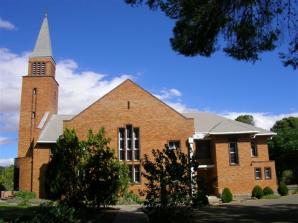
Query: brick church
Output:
(231,154)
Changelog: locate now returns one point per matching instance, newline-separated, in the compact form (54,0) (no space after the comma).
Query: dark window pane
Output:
(137,146)
(121,133)
(129,131)
(233,153)
(122,155)
(128,144)
(137,154)
(136,132)
(121,144)
(129,154)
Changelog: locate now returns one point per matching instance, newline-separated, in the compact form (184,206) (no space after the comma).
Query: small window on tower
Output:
(34,68)
(33,115)
(34,91)
(43,69)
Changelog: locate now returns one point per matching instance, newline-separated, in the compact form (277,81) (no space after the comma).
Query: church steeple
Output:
(41,61)
(43,46)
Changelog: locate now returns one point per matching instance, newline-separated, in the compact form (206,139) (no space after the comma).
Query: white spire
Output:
(43,46)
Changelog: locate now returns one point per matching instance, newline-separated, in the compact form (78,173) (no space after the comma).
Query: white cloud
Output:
(6,25)
(77,89)
(262,120)
(167,94)
(5,140)
(6,162)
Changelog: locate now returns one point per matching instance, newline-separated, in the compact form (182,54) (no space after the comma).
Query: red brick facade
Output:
(129,107)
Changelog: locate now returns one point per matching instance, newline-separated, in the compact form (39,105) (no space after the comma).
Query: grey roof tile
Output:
(53,129)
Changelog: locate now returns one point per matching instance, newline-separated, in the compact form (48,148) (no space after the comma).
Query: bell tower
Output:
(39,100)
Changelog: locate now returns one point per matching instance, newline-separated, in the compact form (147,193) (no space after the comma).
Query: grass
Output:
(9,213)
(271,196)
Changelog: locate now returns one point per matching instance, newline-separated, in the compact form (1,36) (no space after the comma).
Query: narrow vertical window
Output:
(34,91)
(137,174)
(136,143)
(254,148)
(34,68)
(33,115)
(233,150)
(128,142)
(267,173)
(43,69)
(121,135)
(258,173)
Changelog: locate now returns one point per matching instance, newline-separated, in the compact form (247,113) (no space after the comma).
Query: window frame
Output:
(255,169)
(129,151)
(236,152)
(270,171)
(253,148)
(174,141)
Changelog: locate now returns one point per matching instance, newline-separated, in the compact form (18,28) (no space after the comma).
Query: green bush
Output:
(25,197)
(257,192)
(227,195)
(282,189)
(50,213)
(267,191)
(130,198)
(287,176)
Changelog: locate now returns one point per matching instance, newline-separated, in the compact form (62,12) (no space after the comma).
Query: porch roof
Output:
(212,124)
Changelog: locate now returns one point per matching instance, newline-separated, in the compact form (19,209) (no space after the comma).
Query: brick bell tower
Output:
(39,100)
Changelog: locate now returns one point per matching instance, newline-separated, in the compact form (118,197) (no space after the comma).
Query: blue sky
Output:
(112,41)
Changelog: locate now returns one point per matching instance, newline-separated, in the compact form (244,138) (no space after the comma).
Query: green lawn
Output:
(9,213)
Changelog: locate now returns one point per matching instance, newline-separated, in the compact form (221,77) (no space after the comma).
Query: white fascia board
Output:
(266,134)
(205,166)
(228,133)
(46,141)
(200,135)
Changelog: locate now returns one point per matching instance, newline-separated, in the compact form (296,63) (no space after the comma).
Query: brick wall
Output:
(157,122)
(241,178)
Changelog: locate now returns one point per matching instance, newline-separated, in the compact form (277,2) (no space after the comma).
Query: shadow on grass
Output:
(103,215)
(239,213)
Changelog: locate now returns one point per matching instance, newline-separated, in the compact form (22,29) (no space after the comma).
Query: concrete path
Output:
(284,209)
(130,213)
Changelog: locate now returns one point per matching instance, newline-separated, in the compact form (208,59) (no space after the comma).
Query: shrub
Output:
(257,192)
(227,195)
(25,197)
(130,198)
(48,213)
(267,191)
(287,176)
(282,189)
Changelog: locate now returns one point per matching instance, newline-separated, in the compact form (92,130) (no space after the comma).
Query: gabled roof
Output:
(43,46)
(209,123)
(53,129)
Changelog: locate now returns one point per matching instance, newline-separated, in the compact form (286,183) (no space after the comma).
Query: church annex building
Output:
(231,154)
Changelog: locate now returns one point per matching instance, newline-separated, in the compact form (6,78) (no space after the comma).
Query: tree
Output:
(168,179)
(245,29)
(105,177)
(6,178)
(248,119)
(283,148)
(85,172)
(65,170)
